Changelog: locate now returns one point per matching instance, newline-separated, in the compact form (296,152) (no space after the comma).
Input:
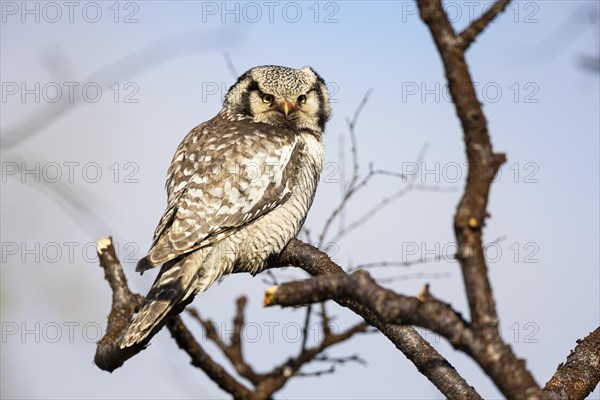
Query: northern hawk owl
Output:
(239,188)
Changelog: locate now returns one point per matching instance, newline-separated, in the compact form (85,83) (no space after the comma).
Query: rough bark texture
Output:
(506,370)
(427,360)
(577,378)
(124,303)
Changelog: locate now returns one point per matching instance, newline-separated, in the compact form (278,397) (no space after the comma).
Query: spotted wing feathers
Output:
(225,174)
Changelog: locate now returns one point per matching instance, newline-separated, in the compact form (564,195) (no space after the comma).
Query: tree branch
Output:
(353,186)
(510,375)
(483,164)
(484,346)
(427,360)
(578,377)
(424,311)
(470,33)
(202,360)
(275,380)
(232,351)
(109,356)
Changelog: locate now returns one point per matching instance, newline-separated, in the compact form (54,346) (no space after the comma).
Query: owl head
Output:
(296,99)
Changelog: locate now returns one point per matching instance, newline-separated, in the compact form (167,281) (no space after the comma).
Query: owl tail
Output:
(175,284)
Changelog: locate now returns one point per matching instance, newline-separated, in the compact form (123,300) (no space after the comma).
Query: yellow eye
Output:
(302,99)
(267,98)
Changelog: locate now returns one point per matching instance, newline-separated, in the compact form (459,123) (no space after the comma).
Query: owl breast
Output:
(269,234)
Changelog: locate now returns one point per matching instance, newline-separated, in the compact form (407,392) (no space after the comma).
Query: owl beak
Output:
(287,107)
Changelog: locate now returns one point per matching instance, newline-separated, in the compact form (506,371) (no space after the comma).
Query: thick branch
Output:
(483,164)
(124,303)
(427,360)
(578,377)
(425,311)
(511,376)
(109,356)
(484,346)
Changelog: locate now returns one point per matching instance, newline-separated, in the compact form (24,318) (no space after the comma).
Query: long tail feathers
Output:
(171,287)
(176,285)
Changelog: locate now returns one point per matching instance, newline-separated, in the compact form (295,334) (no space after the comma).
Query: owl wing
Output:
(220,182)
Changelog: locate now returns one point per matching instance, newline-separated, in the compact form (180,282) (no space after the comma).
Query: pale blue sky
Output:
(542,108)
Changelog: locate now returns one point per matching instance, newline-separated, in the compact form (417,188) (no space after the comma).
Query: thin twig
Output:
(351,189)
(417,275)
(387,264)
(467,36)
(383,203)
(305,328)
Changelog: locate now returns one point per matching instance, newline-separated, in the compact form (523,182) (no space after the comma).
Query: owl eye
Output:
(302,99)
(267,98)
